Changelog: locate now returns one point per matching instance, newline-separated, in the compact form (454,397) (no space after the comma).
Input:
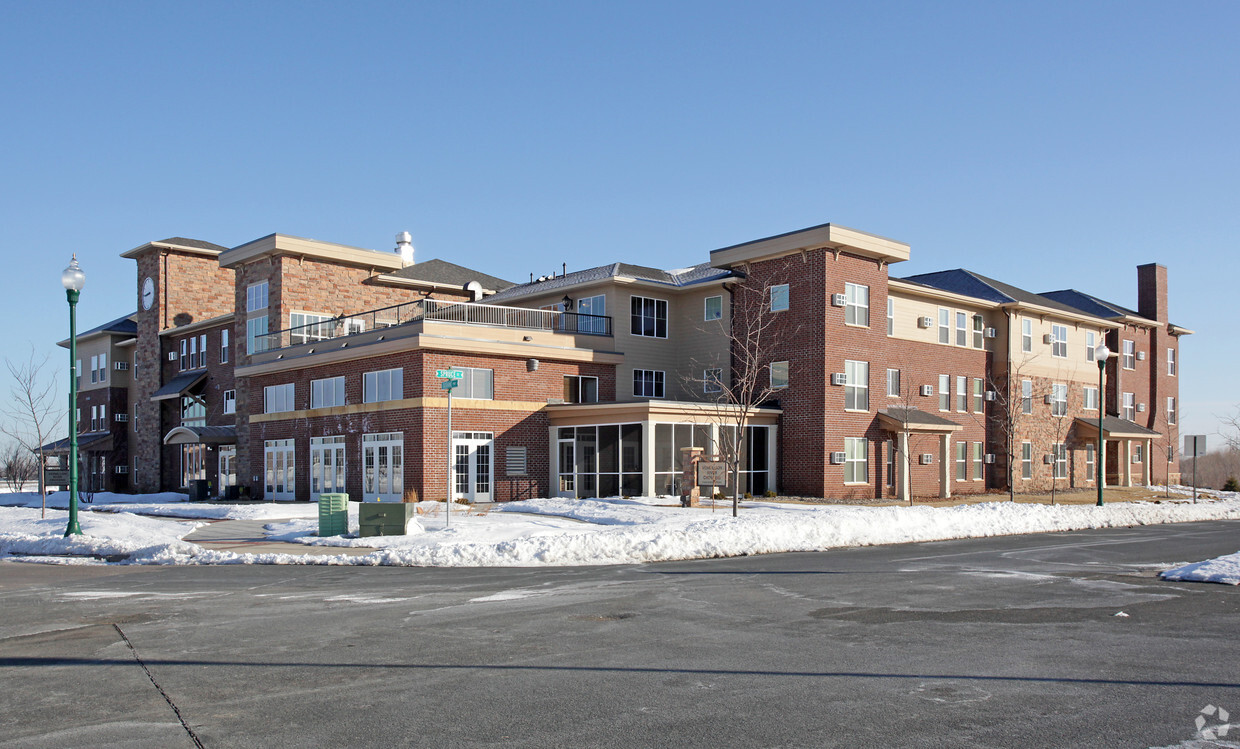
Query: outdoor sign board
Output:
(56,477)
(449,374)
(712,473)
(1194,445)
(448,384)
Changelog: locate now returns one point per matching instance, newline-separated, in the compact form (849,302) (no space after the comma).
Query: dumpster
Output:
(333,514)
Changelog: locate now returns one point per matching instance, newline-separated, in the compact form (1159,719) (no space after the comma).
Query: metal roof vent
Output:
(404,245)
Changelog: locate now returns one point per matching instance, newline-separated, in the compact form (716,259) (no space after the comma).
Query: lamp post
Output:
(1102,353)
(73,279)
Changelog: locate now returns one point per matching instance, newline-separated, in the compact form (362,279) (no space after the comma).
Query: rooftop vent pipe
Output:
(404,245)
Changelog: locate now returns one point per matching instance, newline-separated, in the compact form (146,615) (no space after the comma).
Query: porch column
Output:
(648,477)
(1149,461)
(903,485)
(772,456)
(1102,456)
(945,465)
(1126,458)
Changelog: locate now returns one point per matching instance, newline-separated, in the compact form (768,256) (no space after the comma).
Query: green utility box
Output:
(333,514)
(384,518)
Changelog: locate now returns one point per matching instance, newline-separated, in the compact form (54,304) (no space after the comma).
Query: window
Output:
(648,317)
(1171,362)
(962,461)
(580,389)
(384,385)
(648,383)
(256,297)
(979,398)
(478,384)
(310,326)
(779,297)
(1130,406)
(194,411)
(979,332)
(77,373)
(856,386)
(1026,396)
(945,392)
(1090,402)
(1059,341)
(712,380)
(230,401)
(278,398)
(1171,409)
(1026,335)
(945,332)
(103,417)
(1138,453)
(962,393)
(103,367)
(94,369)
(962,329)
(891,316)
(94,418)
(256,325)
(893,383)
(1090,468)
(1089,345)
(327,392)
(1059,452)
(224,346)
(978,462)
(1130,355)
(202,351)
(714,308)
(856,304)
(183,358)
(779,374)
(593,309)
(856,460)
(1059,399)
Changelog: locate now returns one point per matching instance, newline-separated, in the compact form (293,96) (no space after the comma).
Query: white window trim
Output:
(706,308)
(787,375)
(657,383)
(787,294)
(850,291)
(856,386)
(666,317)
(864,460)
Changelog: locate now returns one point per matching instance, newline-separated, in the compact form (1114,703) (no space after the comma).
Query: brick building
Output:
(286,367)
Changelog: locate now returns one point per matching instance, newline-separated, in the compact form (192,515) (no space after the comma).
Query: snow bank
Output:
(1224,570)
(23,532)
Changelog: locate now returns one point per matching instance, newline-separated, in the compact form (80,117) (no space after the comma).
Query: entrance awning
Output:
(221,435)
(177,386)
(913,420)
(1113,427)
(96,442)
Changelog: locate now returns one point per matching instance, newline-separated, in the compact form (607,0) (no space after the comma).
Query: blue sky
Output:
(1049,145)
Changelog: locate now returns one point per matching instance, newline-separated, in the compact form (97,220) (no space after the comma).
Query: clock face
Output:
(148,293)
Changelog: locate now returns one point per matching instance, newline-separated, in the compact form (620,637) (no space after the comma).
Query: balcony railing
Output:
(466,313)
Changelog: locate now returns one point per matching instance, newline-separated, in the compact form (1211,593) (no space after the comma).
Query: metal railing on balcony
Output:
(466,313)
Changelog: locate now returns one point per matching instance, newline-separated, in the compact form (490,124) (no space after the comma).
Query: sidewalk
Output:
(246,537)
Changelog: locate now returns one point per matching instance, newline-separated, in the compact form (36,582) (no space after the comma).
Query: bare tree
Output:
(1231,424)
(32,413)
(17,467)
(1006,414)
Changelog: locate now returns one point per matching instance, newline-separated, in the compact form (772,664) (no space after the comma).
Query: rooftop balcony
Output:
(411,318)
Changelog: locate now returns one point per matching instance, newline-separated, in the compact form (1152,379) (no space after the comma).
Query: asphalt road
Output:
(1006,642)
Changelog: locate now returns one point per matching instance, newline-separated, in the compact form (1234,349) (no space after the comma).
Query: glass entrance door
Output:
(279,463)
(471,465)
(567,464)
(327,466)
(383,471)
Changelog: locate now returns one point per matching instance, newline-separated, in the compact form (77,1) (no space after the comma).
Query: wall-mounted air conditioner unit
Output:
(1140,408)
(926,459)
(121,417)
(989,395)
(925,322)
(989,458)
(992,333)
(1140,356)
(1048,338)
(838,300)
(1048,459)
(172,356)
(927,390)
(1047,399)
(837,458)
(120,366)
(838,378)
(120,469)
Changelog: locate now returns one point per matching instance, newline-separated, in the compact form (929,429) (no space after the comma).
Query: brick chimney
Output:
(1152,291)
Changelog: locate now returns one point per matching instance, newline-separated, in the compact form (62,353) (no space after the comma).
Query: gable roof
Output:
(125,326)
(442,272)
(678,278)
(1090,304)
(968,283)
(200,244)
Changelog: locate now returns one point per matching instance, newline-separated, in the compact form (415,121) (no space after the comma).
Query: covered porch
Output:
(1123,442)
(905,423)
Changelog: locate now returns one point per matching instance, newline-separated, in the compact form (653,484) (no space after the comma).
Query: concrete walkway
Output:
(247,537)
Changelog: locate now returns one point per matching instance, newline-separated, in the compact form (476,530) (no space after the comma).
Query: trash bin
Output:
(333,514)
(198,490)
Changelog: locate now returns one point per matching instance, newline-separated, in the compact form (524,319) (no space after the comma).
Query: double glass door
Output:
(471,465)
(327,466)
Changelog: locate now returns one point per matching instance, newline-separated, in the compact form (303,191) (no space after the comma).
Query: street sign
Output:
(450,374)
(449,384)
(712,473)
(56,477)
(1194,445)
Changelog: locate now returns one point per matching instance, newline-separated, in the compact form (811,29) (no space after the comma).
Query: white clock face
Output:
(148,293)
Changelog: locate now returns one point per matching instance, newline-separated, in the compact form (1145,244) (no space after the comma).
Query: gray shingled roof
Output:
(1089,304)
(1118,426)
(916,417)
(127,325)
(676,278)
(443,272)
(968,283)
(198,243)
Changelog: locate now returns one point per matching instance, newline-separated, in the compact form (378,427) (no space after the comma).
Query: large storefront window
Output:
(755,455)
(279,463)
(601,461)
(383,471)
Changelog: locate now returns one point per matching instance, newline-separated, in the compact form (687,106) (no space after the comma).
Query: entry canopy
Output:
(222,435)
(900,419)
(1113,427)
(178,385)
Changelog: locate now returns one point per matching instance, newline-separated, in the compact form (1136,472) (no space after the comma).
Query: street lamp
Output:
(73,279)
(1102,353)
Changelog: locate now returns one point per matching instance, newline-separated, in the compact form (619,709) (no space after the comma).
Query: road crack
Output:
(193,736)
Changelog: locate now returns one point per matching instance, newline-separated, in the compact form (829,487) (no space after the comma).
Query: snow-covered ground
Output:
(1224,569)
(558,532)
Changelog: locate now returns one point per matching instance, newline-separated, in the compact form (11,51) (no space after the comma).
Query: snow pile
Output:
(60,500)
(1220,570)
(23,532)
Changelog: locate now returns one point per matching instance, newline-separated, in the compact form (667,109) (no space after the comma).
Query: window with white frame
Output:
(962,393)
(648,317)
(714,308)
(94,369)
(103,367)
(1090,466)
(945,392)
(1138,453)
(77,371)
(962,461)
(1171,362)
(1026,396)
(962,329)
(891,316)
(1059,399)
(779,375)
(856,385)
(230,401)
(1130,406)
(306,327)
(856,460)
(1059,341)
(978,462)
(1089,345)
(856,304)
(893,383)
(1060,453)
(278,398)
(1026,335)
(979,397)
(327,392)
(224,346)
(1129,358)
(94,418)
(256,324)
(383,385)
(945,323)
(580,389)
(477,383)
(1026,460)
(1171,409)
(1090,400)
(648,383)
(979,332)
(779,297)
(712,380)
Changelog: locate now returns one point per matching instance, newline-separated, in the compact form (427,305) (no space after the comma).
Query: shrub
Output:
(720,495)
(411,497)
(1231,485)
(770,494)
